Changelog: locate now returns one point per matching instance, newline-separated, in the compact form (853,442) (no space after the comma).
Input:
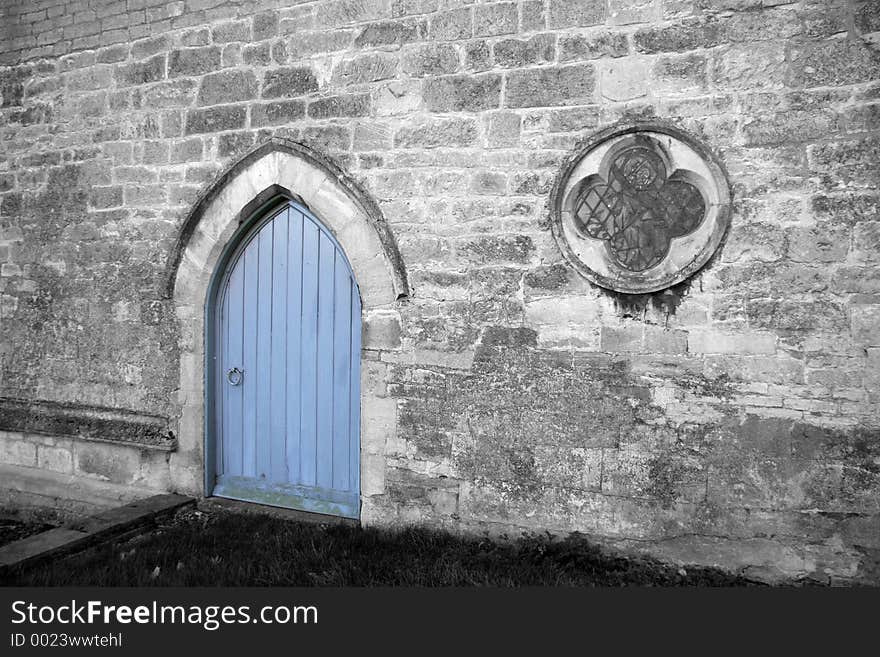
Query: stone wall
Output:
(733,419)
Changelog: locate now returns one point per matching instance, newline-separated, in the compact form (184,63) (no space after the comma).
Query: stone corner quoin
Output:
(730,419)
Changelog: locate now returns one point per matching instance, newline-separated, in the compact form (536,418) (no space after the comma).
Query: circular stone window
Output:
(640,207)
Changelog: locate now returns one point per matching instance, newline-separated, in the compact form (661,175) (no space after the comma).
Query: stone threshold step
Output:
(81,534)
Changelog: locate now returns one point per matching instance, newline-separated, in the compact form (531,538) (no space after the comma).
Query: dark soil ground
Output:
(13,529)
(222,548)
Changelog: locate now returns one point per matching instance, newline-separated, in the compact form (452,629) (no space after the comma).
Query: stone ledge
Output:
(91,423)
(76,536)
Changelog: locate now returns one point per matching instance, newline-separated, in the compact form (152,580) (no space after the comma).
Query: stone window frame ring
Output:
(686,160)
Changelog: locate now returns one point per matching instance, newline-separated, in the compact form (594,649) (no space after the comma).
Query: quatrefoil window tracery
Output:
(637,208)
(640,206)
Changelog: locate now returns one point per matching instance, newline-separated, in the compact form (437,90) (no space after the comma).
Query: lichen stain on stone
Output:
(663,476)
(720,387)
(665,301)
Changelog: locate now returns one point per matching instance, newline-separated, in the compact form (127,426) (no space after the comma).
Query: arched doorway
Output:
(275,172)
(285,367)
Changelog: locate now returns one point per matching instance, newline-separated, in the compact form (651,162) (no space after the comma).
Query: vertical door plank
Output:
(326,309)
(341,374)
(221,387)
(309,353)
(293,312)
(249,358)
(354,435)
(278,352)
(232,431)
(263,374)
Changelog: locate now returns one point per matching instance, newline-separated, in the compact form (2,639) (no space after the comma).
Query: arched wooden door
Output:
(287,369)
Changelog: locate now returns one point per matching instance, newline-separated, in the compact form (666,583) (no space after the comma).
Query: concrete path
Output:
(76,536)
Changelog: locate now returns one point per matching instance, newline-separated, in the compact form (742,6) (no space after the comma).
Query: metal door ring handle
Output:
(234,376)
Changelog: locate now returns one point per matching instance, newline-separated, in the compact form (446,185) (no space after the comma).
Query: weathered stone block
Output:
(512,53)
(477,56)
(187,150)
(750,66)
(792,125)
(150,70)
(231,31)
(624,79)
(833,62)
(866,242)
(366,68)
(569,13)
(108,462)
(865,325)
(823,243)
(862,118)
(491,183)
(15,451)
(112,54)
(578,47)
(719,342)
(437,132)
(495,249)
(331,138)
(145,195)
(541,87)
(860,151)
(288,82)
(373,475)
(430,59)
(56,459)
(451,25)
(494,19)
(306,44)
(381,331)
(215,119)
(371,137)
(390,33)
(755,241)
(530,183)
(573,120)
(659,340)
(462,93)
(265,25)
(685,35)
(680,73)
(227,87)
(193,61)
(200,36)
(532,15)
(621,339)
(106,197)
(796,315)
(348,105)
(627,12)
(340,12)
(175,93)
(579,468)
(871,378)
(259,54)
(503,130)
(89,79)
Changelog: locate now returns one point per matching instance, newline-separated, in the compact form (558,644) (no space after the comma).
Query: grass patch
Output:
(230,549)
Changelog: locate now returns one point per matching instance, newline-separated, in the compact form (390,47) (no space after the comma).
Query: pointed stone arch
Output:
(280,167)
(274,170)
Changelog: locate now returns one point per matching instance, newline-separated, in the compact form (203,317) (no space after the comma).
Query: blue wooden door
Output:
(288,370)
